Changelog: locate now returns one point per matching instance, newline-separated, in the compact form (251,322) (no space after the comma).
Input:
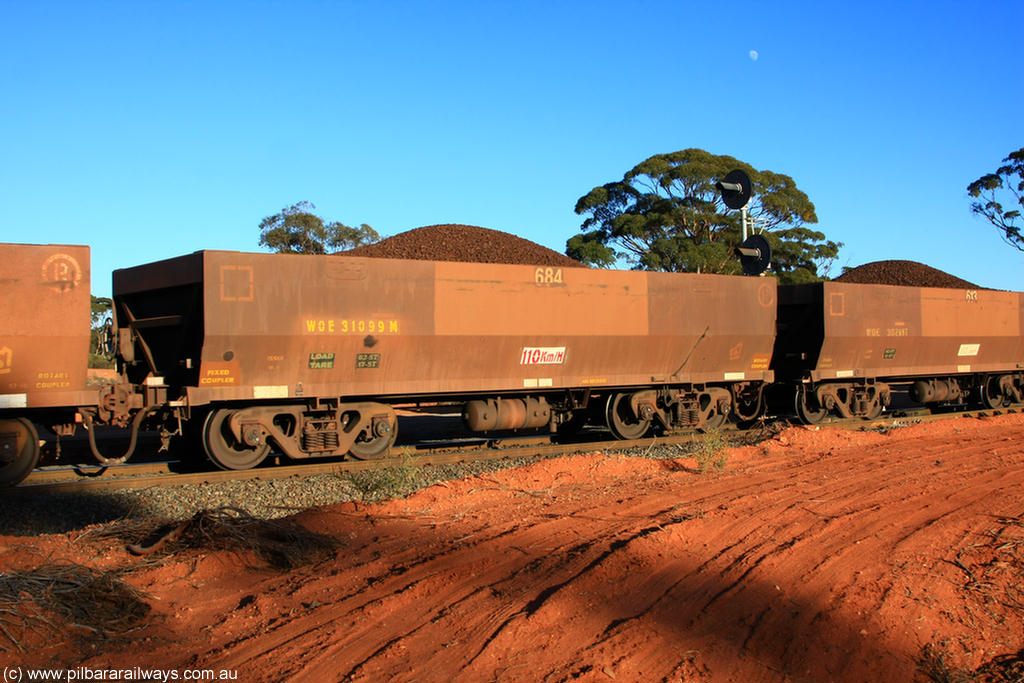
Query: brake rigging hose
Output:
(136,423)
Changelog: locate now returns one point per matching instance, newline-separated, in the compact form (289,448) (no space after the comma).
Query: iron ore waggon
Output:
(309,354)
(44,347)
(238,354)
(841,347)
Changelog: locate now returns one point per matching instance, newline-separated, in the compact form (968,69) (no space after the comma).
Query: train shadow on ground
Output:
(58,513)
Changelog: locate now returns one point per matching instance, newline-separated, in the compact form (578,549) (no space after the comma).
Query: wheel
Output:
(19,450)
(369,446)
(224,450)
(991,396)
(621,421)
(807,408)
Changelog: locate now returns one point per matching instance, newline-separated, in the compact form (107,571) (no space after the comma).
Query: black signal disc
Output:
(755,264)
(736,199)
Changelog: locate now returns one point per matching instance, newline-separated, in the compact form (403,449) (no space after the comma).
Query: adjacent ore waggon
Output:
(842,347)
(308,354)
(44,348)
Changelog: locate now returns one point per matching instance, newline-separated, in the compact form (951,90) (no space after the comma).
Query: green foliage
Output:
(297,230)
(667,214)
(993,190)
(387,481)
(100,308)
(101,362)
(710,451)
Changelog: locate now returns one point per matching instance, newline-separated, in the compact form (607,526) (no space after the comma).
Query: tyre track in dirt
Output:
(816,556)
(445,568)
(737,563)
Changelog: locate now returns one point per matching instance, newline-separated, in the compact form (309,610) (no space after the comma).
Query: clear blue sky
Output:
(152,129)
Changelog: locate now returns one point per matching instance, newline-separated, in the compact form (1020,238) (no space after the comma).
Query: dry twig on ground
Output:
(280,544)
(54,598)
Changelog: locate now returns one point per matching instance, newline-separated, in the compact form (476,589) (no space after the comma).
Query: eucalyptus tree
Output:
(667,214)
(297,230)
(1000,198)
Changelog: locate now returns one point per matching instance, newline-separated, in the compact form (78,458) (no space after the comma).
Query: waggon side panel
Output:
(282,326)
(869,330)
(982,327)
(44,327)
(530,327)
(576,301)
(889,331)
(714,328)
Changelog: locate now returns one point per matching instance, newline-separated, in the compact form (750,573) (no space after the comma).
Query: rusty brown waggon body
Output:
(44,345)
(311,352)
(843,344)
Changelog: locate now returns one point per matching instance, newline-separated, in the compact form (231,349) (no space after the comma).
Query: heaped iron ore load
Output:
(310,352)
(839,345)
(465,243)
(903,273)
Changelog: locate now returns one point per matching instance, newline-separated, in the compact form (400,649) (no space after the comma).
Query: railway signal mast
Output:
(755,253)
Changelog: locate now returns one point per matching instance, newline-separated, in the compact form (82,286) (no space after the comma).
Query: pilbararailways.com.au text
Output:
(17,674)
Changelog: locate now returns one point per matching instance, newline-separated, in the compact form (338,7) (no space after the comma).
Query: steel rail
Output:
(158,474)
(145,475)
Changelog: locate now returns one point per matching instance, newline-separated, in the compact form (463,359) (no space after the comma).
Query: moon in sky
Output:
(753,55)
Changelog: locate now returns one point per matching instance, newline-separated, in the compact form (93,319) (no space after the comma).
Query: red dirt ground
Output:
(820,555)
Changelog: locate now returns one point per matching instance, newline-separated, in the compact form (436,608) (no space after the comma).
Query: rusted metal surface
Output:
(228,326)
(832,331)
(44,326)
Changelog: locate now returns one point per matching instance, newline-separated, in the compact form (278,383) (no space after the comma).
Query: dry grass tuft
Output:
(1008,668)
(280,544)
(994,566)
(710,451)
(1003,669)
(58,598)
(993,572)
(390,480)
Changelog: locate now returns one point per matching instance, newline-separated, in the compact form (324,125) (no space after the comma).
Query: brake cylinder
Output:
(934,391)
(506,413)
